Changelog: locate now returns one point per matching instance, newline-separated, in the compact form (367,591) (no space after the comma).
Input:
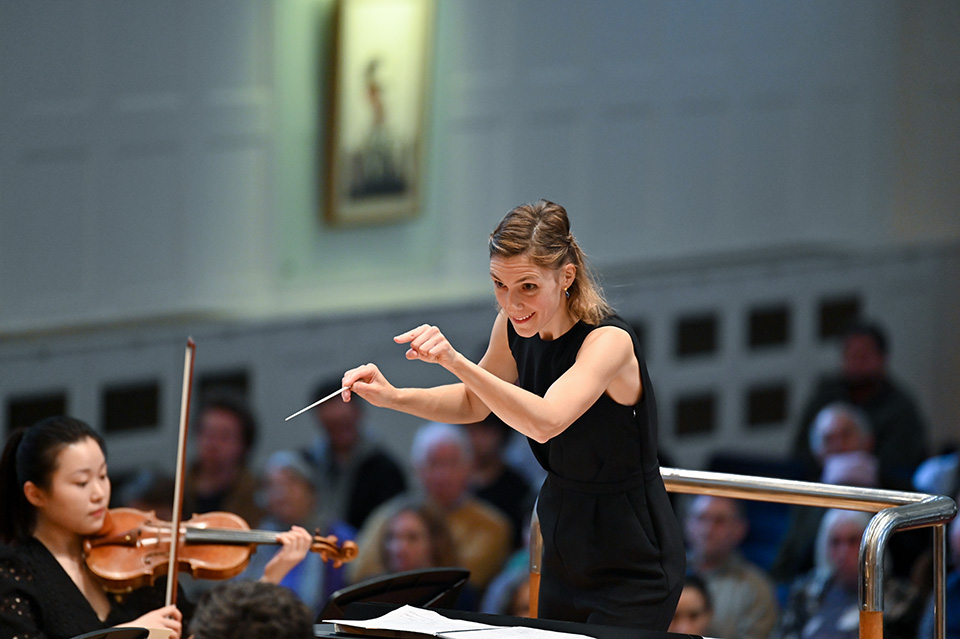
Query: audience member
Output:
(149,490)
(357,474)
(952,595)
(864,381)
(442,460)
(825,603)
(508,593)
(940,474)
(292,499)
(695,608)
(219,478)
(842,443)
(743,597)
(493,480)
(415,536)
(251,610)
(519,456)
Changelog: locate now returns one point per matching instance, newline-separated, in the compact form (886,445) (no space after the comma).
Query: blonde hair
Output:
(541,231)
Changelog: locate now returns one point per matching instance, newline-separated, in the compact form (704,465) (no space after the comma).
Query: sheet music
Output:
(428,622)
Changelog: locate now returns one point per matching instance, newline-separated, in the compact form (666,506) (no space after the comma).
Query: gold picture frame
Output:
(375,142)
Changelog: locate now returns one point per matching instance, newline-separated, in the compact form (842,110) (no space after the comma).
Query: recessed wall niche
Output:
(695,414)
(130,406)
(766,405)
(836,314)
(24,410)
(768,327)
(696,335)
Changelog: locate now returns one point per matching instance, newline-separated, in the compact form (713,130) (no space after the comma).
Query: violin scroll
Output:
(329,551)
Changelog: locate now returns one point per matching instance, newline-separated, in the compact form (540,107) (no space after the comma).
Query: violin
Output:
(132,548)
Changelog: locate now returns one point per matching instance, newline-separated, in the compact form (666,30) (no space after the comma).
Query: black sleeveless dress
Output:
(613,550)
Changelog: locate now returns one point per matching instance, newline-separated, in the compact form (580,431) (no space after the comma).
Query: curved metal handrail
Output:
(895,510)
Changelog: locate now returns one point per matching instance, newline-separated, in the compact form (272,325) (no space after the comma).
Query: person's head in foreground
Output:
(694,610)
(251,610)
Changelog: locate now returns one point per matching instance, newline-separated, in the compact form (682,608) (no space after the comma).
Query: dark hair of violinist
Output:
(55,493)
(31,456)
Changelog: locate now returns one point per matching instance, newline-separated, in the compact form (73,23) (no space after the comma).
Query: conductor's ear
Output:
(568,274)
(34,494)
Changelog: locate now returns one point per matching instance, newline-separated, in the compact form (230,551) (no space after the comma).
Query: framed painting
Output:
(375,141)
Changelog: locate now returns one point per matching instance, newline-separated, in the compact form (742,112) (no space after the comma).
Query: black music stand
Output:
(425,588)
(116,633)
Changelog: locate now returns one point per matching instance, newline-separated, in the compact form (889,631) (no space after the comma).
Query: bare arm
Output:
(605,363)
(450,403)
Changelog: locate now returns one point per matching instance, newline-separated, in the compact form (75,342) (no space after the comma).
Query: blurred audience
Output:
(940,474)
(508,593)
(842,443)
(148,490)
(291,498)
(952,595)
(743,598)
(825,603)
(357,473)
(482,535)
(695,608)
(415,536)
(251,610)
(493,480)
(219,479)
(897,424)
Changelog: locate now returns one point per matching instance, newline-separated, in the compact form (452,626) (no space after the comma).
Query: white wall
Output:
(159,160)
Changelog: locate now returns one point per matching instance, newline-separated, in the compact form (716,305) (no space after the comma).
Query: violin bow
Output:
(178,486)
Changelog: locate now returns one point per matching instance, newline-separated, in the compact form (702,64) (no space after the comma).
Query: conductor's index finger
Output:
(402,338)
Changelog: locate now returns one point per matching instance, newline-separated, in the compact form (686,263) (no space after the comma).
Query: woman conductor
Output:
(563,369)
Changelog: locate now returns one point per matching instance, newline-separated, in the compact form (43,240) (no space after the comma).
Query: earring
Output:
(567,293)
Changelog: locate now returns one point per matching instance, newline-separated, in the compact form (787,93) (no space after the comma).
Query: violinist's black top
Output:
(39,600)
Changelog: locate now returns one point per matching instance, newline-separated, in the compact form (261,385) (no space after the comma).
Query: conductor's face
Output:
(532,297)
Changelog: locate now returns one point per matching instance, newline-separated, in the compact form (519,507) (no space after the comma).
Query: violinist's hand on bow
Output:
(295,544)
(167,618)
(428,344)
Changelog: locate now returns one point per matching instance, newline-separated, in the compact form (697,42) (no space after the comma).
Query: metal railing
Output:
(895,510)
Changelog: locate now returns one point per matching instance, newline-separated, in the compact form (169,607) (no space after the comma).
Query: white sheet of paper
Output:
(412,619)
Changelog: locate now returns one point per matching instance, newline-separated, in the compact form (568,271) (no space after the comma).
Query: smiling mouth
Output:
(523,319)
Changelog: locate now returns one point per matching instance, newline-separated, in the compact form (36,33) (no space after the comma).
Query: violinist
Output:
(54,493)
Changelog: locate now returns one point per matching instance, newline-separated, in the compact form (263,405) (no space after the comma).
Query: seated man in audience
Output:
(825,602)
(251,610)
(220,476)
(357,474)
(842,443)
(744,601)
(898,427)
(483,536)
